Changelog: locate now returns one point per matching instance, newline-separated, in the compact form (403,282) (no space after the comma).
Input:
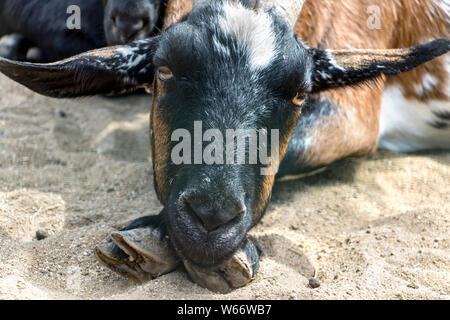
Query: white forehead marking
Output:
(252,31)
(405,124)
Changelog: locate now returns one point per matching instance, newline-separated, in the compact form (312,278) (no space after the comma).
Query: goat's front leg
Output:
(142,252)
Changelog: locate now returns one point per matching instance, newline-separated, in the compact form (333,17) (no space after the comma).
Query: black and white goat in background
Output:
(47,30)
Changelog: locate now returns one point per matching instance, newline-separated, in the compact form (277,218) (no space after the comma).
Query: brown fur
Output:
(160,143)
(404,23)
(431,25)
(353,131)
(351,58)
(175,10)
(266,183)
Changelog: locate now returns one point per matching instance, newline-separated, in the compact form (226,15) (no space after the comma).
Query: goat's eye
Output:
(299,99)
(164,74)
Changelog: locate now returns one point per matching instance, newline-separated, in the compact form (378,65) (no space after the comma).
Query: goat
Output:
(103,22)
(256,65)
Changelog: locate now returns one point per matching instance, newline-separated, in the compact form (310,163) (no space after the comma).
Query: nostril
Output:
(145,22)
(114,14)
(114,20)
(197,212)
(213,215)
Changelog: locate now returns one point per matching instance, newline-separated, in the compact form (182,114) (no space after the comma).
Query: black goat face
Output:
(129,20)
(223,81)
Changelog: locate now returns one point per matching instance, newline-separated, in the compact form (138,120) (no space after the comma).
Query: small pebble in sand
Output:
(41,234)
(412,285)
(314,283)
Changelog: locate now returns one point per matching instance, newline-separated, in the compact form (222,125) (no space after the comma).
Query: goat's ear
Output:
(340,68)
(111,70)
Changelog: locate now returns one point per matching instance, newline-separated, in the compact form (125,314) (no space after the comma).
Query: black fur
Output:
(327,76)
(442,121)
(43,23)
(87,74)
(443,115)
(440,124)
(127,20)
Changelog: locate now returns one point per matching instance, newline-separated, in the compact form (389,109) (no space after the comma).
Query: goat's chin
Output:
(200,247)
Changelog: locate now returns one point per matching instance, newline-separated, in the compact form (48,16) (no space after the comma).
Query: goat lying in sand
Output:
(257,65)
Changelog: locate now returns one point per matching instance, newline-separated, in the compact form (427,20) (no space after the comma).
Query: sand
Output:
(373,228)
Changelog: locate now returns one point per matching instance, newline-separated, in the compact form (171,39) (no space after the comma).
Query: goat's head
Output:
(228,66)
(129,20)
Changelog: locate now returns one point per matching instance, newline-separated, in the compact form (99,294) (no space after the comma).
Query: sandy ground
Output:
(373,228)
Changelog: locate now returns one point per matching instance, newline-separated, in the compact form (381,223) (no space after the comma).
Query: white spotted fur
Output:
(334,62)
(405,124)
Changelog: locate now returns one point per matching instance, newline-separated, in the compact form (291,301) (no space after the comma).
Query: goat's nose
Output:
(215,214)
(129,26)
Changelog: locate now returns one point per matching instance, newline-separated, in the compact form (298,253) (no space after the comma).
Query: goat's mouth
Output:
(197,245)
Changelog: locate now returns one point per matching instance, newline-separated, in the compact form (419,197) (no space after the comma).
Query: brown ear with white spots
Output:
(340,68)
(112,70)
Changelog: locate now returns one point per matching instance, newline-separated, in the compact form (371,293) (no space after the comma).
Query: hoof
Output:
(235,273)
(139,254)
